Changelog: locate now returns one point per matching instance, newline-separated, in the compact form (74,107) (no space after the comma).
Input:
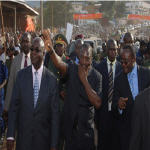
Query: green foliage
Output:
(59,12)
(112,9)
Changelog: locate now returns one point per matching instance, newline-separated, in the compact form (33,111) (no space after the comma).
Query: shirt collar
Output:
(134,71)
(40,70)
(27,55)
(109,62)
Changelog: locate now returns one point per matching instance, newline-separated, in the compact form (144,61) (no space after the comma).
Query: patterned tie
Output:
(25,62)
(36,89)
(110,89)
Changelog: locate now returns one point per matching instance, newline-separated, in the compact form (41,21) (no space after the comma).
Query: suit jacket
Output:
(140,132)
(37,128)
(122,89)
(103,69)
(15,67)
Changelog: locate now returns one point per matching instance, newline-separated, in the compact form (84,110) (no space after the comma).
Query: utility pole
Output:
(41,14)
(52,19)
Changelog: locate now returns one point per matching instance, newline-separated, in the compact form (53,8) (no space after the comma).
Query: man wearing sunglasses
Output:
(34,111)
(128,85)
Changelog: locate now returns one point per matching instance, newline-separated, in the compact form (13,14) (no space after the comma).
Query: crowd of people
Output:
(59,96)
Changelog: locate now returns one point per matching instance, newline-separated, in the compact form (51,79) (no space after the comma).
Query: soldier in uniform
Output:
(60,44)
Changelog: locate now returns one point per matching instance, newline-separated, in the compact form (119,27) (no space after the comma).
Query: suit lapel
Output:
(117,69)
(20,61)
(106,67)
(30,85)
(139,79)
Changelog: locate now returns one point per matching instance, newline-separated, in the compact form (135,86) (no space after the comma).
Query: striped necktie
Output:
(110,89)
(36,89)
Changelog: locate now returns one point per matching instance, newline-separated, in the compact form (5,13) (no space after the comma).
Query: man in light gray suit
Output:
(34,111)
(21,61)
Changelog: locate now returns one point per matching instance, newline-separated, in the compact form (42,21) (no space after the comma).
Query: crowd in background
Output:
(113,118)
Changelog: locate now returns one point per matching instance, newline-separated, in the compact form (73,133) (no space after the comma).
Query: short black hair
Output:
(143,43)
(86,46)
(109,42)
(148,45)
(26,34)
(129,49)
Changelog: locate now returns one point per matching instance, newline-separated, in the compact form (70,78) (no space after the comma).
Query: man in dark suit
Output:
(140,132)
(34,106)
(104,118)
(128,85)
(83,94)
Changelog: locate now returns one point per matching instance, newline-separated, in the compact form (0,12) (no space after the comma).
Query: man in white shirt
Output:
(20,61)
(109,69)
(34,110)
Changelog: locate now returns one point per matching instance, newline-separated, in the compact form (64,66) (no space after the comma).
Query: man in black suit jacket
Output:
(128,85)
(104,118)
(140,132)
(34,114)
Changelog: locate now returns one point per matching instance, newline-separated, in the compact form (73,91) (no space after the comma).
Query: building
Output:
(16,15)
(82,7)
(138,7)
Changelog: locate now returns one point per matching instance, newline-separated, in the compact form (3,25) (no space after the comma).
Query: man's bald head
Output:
(38,42)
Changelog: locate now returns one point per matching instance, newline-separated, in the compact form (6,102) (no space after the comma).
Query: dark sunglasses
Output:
(112,49)
(37,50)
(124,62)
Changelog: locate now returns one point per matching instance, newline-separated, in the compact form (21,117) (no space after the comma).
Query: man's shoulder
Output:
(145,92)
(96,72)
(142,98)
(25,70)
(120,76)
(17,58)
(143,69)
(49,74)
(100,66)
(118,64)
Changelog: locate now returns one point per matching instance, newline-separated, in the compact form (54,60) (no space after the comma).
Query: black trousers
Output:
(80,140)
(107,134)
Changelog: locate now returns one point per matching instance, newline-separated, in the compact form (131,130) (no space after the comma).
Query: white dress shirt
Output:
(113,67)
(39,76)
(23,60)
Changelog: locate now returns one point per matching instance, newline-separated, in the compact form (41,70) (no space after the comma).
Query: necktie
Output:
(36,89)
(25,62)
(110,89)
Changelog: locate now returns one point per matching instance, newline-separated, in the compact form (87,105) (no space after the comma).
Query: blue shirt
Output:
(133,81)
(77,61)
(3,76)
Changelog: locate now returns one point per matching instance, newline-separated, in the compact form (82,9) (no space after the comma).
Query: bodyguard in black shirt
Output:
(82,95)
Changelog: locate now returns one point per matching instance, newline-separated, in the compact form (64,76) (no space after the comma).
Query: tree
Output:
(112,9)
(57,13)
